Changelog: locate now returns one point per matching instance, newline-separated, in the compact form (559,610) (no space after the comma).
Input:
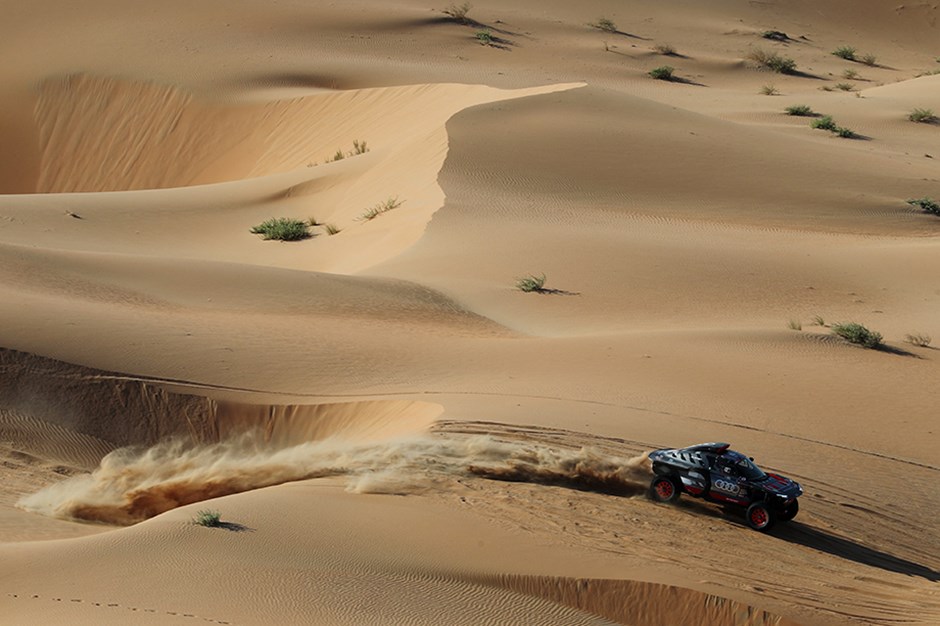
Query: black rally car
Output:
(716,473)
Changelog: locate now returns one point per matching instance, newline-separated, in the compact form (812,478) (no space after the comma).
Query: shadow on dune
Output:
(235,527)
(817,539)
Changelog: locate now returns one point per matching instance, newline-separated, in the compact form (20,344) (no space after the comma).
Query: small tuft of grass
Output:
(927,204)
(312,221)
(845,86)
(918,339)
(531,283)
(800,110)
(210,519)
(857,334)
(380,208)
(605,25)
(359,147)
(795,325)
(845,133)
(485,37)
(282,229)
(772,61)
(870,60)
(458,12)
(922,116)
(818,320)
(664,72)
(339,156)
(665,49)
(330,229)
(769,90)
(824,123)
(850,75)
(845,52)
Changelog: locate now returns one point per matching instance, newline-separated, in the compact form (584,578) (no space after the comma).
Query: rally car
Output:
(716,473)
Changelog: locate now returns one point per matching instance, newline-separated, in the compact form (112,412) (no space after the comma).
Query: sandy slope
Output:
(392,369)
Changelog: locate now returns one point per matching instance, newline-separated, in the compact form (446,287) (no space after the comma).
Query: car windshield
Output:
(750,471)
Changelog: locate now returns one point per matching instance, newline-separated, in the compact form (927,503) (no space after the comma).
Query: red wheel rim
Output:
(664,489)
(759,517)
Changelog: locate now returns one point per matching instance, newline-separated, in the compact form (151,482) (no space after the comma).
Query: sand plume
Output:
(133,484)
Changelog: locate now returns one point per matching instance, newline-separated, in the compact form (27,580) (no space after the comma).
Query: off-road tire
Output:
(789,512)
(760,516)
(664,489)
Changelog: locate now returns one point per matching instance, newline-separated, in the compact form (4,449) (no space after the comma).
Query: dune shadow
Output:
(557,292)
(686,81)
(796,532)
(897,351)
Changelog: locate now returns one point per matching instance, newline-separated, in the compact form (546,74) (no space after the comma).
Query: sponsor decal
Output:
(728,486)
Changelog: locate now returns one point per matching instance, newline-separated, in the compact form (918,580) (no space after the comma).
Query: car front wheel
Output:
(760,516)
(664,489)
(790,511)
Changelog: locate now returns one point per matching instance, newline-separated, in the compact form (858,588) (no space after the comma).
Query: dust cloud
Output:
(133,484)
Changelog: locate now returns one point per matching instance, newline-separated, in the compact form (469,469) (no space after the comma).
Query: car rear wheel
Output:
(760,516)
(664,489)
(790,511)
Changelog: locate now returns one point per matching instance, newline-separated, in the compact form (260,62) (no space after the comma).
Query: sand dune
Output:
(391,431)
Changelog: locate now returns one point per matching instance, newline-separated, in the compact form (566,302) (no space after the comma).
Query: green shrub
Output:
(870,60)
(282,228)
(824,123)
(857,334)
(845,133)
(663,72)
(531,283)
(845,52)
(850,75)
(918,339)
(605,25)
(924,116)
(208,518)
(380,208)
(800,110)
(926,204)
(772,61)
(485,37)
(458,13)
(845,86)
(818,320)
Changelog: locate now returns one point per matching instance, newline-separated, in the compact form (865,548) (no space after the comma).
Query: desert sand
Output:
(392,431)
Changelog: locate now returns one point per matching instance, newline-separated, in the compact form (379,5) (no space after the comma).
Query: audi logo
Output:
(724,485)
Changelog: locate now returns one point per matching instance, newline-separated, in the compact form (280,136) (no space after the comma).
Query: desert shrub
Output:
(857,334)
(531,283)
(775,35)
(845,133)
(850,75)
(665,49)
(926,204)
(208,518)
(339,156)
(924,116)
(380,208)
(458,12)
(605,25)
(663,72)
(800,110)
(772,61)
(818,320)
(845,86)
(312,221)
(845,52)
(824,123)
(330,229)
(918,339)
(359,147)
(795,325)
(282,228)
(870,60)
(485,37)
(769,90)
